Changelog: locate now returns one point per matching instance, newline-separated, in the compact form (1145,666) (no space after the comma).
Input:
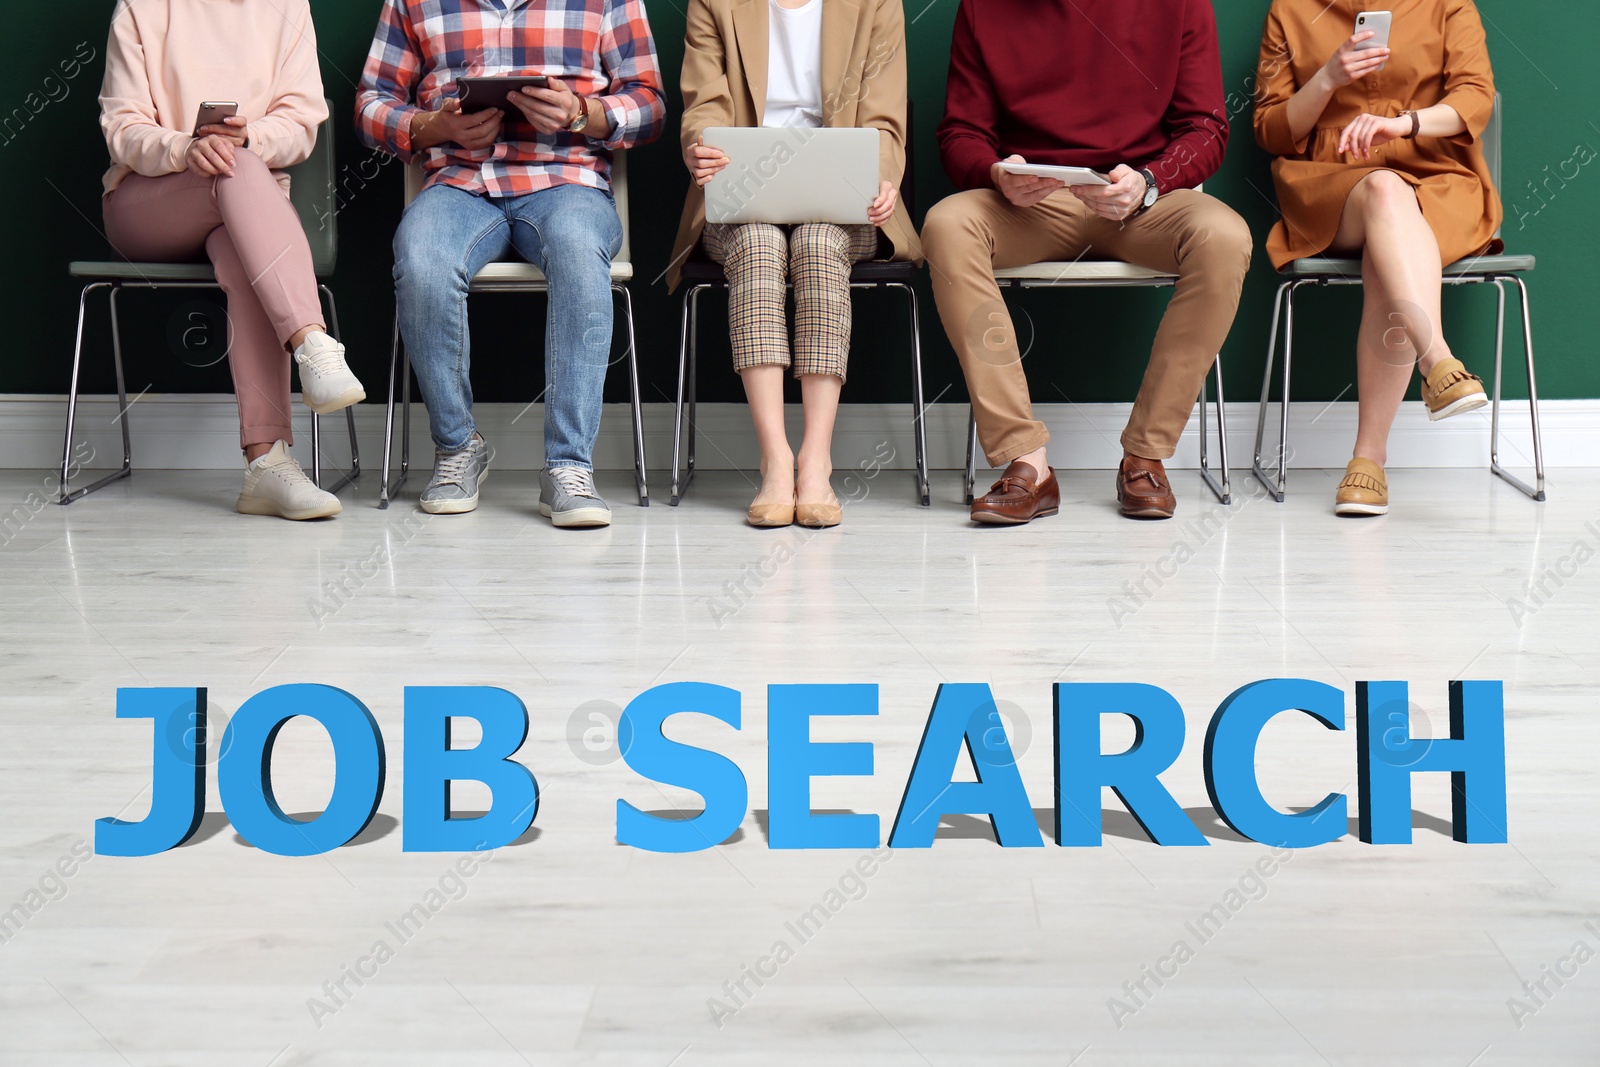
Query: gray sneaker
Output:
(453,489)
(567,495)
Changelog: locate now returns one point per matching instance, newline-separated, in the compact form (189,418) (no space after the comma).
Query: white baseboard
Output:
(200,432)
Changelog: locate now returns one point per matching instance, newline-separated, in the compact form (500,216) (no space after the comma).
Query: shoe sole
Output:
(1360,510)
(267,507)
(338,403)
(454,507)
(989,518)
(1468,403)
(577,516)
(1146,513)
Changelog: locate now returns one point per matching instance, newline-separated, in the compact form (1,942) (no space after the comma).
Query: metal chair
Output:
(516,277)
(1493,269)
(313,189)
(1112,274)
(700,274)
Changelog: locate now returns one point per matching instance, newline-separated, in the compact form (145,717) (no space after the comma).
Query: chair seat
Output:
(139,272)
(1083,272)
(872,272)
(515,275)
(1471,267)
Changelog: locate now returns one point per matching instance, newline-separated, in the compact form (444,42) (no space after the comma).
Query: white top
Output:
(794,66)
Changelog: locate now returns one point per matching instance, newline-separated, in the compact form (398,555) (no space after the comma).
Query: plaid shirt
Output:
(598,47)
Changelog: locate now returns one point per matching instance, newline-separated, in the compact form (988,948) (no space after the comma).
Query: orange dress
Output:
(1439,56)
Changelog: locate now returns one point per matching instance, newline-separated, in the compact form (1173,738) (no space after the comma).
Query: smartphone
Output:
(1378,22)
(212,112)
(482,93)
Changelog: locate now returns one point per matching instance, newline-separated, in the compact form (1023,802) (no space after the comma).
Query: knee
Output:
(1386,193)
(247,164)
(760,250)
(953,226)
(1219,236)
(423,269)
(817,244)
(576,242)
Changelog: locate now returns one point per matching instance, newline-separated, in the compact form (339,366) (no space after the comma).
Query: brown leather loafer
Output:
(1143,491)
(1018,497)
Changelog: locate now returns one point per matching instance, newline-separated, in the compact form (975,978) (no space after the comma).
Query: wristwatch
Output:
(582,119)
(1151,193)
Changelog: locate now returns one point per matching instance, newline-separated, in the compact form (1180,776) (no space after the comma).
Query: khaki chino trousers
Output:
(1197,237)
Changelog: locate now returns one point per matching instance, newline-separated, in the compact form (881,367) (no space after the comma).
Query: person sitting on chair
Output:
(1377,157)
(177,194)
(805,64)
(1130,90)
(536,183)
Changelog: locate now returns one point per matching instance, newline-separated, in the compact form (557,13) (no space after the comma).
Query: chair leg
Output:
(1284,298)
(386,490)
(638,407)
(694,384)
(677,408)
(1220,488)
(969,483)
(68,495)
(683,423)
(919,416)
(1536,491)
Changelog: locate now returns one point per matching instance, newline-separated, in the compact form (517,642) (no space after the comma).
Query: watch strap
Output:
(1416,124)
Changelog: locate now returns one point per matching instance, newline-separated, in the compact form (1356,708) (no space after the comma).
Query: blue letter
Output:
(793,760)
(244,772)
(1387,757)
(1081,770)
(178,773)
(431,765)
(959,712)
(717,779)
(1231,763)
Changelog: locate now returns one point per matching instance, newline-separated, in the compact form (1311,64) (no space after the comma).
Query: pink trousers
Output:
(253,237)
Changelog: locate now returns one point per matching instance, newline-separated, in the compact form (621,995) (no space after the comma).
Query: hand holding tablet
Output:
(1065,175)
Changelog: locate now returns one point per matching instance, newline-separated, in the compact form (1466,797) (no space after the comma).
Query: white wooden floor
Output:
(569,949)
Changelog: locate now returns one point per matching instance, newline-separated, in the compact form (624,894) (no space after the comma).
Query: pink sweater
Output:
(167,56)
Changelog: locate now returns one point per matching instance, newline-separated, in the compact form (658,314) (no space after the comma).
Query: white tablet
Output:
(793,175)
(1069,175)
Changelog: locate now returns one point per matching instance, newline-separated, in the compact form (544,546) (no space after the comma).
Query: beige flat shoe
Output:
(1364,491)
(768,515)
(818,516)
(1450,389)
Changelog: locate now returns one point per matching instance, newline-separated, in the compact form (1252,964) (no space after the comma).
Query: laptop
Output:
(793,175)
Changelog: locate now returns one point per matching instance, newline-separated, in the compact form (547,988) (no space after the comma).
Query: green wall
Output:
(1088,347)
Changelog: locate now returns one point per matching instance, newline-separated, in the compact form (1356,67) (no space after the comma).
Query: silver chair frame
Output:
(1283,307)
(68,495)
(683,422)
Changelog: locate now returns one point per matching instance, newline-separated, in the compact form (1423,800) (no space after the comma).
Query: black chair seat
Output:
(873,272)
(1472,266)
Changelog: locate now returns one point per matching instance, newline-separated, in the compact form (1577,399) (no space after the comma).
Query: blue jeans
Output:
(568,231)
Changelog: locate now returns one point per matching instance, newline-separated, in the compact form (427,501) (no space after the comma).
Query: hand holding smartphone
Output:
(212,112)
(1377,23)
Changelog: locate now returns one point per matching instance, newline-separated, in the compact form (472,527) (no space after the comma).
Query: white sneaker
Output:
(326,383)
(275,485)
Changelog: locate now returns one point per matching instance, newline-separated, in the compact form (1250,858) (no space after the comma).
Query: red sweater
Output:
(1088,83)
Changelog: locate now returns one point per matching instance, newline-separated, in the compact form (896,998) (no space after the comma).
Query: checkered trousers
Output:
(815,257)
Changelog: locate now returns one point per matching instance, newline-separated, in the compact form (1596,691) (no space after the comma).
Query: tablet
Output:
(1070,175)
(790,175)
(482,93)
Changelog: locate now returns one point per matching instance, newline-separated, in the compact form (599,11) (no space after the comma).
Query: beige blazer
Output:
(724,83)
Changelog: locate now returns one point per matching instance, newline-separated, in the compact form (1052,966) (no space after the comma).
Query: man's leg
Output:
(571,232)
(1208,246)
(446,236)
(967,236)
